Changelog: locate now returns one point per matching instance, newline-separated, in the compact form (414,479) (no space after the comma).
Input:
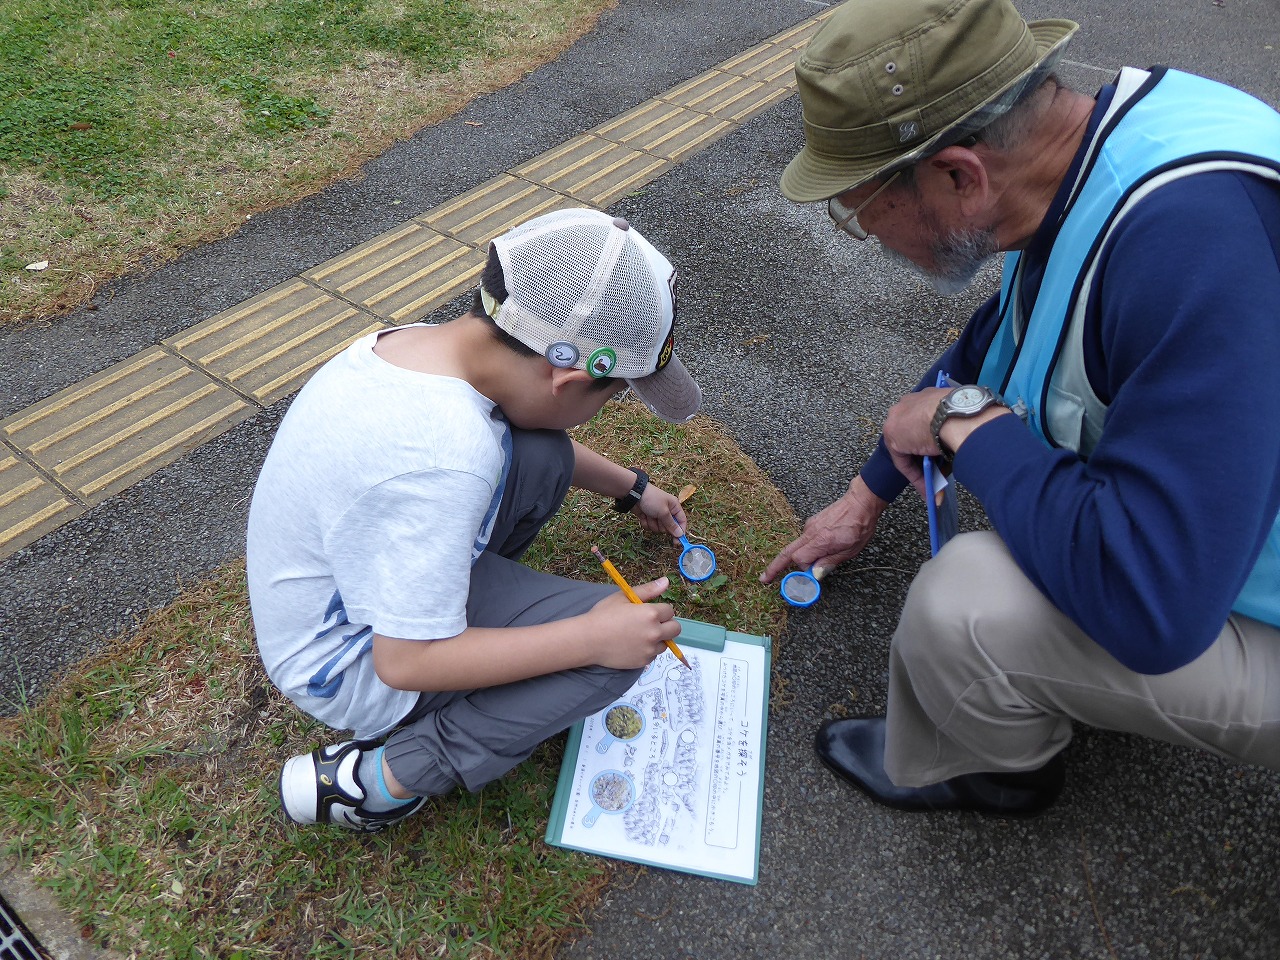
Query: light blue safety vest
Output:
(1160,126)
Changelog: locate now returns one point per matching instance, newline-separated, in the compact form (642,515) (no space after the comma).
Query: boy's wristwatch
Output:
(627,503)
(967,401)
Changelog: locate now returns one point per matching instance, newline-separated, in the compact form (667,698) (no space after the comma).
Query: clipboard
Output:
(944,516)
(672,773)
(944,513)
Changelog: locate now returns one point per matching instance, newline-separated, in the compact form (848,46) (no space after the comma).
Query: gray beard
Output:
(957,258)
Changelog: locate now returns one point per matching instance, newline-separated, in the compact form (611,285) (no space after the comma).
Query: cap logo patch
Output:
(908,131)
(668,347)
(601,363)
(562,354)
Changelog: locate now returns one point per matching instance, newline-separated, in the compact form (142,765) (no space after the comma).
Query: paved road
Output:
(802,341)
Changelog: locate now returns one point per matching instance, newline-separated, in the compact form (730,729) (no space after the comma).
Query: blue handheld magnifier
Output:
(800,588)
(697,562)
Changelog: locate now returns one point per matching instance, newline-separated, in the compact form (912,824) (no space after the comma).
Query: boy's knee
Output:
(619,681)
(549,450)
(610,682)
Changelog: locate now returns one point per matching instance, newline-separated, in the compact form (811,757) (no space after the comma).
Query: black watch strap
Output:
(627,503)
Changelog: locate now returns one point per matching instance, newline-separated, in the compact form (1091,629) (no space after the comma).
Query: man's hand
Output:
(632,634)
(907,434)
(836,534)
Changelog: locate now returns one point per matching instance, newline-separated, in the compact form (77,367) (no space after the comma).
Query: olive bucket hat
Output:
(884,83)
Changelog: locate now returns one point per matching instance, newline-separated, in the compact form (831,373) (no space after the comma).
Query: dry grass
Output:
(141,791)
(735,511)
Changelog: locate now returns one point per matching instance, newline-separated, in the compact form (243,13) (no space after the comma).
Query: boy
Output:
(403,486)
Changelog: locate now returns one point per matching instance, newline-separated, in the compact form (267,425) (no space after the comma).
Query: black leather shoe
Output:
(854,750)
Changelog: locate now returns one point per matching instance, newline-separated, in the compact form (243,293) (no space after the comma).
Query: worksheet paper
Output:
(672,773)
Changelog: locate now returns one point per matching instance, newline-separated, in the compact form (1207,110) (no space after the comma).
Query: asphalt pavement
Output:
(801,339)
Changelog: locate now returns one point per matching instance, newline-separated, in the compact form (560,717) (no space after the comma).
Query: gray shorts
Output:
(469,737)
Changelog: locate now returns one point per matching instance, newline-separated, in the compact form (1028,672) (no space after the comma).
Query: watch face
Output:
(962,398)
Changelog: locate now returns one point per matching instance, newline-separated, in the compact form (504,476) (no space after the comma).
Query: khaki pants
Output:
(987,675)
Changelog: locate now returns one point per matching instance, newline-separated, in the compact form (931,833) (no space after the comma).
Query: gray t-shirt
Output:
(376,497)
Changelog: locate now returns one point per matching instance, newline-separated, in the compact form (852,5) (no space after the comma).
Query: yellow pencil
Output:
(612,571)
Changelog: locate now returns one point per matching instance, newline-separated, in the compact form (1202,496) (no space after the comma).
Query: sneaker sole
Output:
(298,807)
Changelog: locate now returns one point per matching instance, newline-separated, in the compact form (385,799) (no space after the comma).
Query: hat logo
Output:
(601,363)
(562,354)
(908,131)
(668,346)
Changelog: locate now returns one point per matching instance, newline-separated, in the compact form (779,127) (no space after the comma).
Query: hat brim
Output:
(671,393)
(814,176)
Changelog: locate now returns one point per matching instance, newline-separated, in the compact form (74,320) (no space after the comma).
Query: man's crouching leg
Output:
(962,731)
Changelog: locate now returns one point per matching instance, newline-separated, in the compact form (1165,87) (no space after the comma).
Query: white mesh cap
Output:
(586,291)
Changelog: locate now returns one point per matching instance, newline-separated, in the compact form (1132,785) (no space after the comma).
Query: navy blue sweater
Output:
(1147,544)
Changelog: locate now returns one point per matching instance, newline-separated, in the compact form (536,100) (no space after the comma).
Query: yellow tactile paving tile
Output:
(104,434)
(667,130)
(723,95)
(267,347)
(493,208)
(30,506)
(799,35)
(593,170)
(402,274)
(769,63)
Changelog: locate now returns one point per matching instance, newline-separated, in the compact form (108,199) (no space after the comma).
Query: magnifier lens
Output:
(697,563)
(799,589)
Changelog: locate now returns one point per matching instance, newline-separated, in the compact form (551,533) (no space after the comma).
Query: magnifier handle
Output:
(680,536)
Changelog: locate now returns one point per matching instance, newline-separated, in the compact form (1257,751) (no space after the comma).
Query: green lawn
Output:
(134,129)
(142,790)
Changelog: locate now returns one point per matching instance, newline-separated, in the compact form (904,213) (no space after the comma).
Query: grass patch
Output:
(142,790)
(131,130)
(736,512)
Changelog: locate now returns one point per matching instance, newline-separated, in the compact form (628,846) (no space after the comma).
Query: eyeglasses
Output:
(846,218)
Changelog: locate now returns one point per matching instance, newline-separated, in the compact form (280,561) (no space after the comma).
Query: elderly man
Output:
(1115,409)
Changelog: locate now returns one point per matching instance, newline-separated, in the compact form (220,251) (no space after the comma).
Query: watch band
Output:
(627,503)
(935,427)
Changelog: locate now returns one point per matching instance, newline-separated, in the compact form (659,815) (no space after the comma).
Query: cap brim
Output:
(671,393)
(812,176)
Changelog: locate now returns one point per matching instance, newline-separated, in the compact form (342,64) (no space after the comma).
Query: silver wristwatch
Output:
(966,401)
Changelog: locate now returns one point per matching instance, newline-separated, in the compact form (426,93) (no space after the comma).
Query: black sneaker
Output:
(324,786)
